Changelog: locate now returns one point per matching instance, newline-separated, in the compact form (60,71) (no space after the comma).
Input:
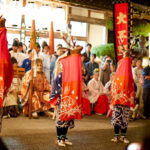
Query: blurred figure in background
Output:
(20,47)
(18,55)
(46,60)
(10,101)
(107,68)
(90,66)
(146,91)
(59,52)
(88,53)
(138,79)
(27,62)
(24,49)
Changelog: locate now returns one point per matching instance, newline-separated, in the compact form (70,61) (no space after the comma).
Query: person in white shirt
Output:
(37,51)
(46,60)
(19,56)
(138,79)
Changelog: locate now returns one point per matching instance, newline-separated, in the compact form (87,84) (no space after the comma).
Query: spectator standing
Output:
(88,53)
(107,68)
(46,60)
(91,66)
(146,91)
(138,79)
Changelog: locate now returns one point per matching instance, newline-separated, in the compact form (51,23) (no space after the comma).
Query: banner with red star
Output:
(121,28)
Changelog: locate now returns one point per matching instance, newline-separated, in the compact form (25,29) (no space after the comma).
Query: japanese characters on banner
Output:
(121,28)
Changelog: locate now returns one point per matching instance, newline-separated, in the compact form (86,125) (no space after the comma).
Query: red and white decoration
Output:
(121,28)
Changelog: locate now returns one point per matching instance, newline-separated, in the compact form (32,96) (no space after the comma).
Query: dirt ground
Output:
(90,133)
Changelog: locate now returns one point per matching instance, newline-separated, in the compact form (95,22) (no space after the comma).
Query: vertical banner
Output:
(121,28)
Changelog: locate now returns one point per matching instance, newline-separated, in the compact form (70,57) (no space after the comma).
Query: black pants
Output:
(92,108)
(116,131)
(146,99)
(61,133)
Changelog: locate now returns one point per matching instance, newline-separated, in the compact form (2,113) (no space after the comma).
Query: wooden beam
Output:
(77,5)
(88,20)
(44,34)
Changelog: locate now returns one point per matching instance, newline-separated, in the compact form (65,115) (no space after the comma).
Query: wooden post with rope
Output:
(32,46)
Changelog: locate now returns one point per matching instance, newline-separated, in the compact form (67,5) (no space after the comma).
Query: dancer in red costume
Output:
(6,68)
(122,94)
(67,89)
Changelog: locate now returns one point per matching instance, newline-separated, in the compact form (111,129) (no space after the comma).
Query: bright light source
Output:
(14,16)
(2,7)
(59,19)
(30,13)
(145,62)
(44,17)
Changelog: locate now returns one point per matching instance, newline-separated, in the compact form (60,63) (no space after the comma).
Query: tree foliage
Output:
(103,50)
(140,26)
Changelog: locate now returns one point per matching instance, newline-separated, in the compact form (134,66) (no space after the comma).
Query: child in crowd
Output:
(10,101)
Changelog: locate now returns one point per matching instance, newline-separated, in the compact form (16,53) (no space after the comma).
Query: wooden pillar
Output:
(88,30)
(106,34)
(68,13)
